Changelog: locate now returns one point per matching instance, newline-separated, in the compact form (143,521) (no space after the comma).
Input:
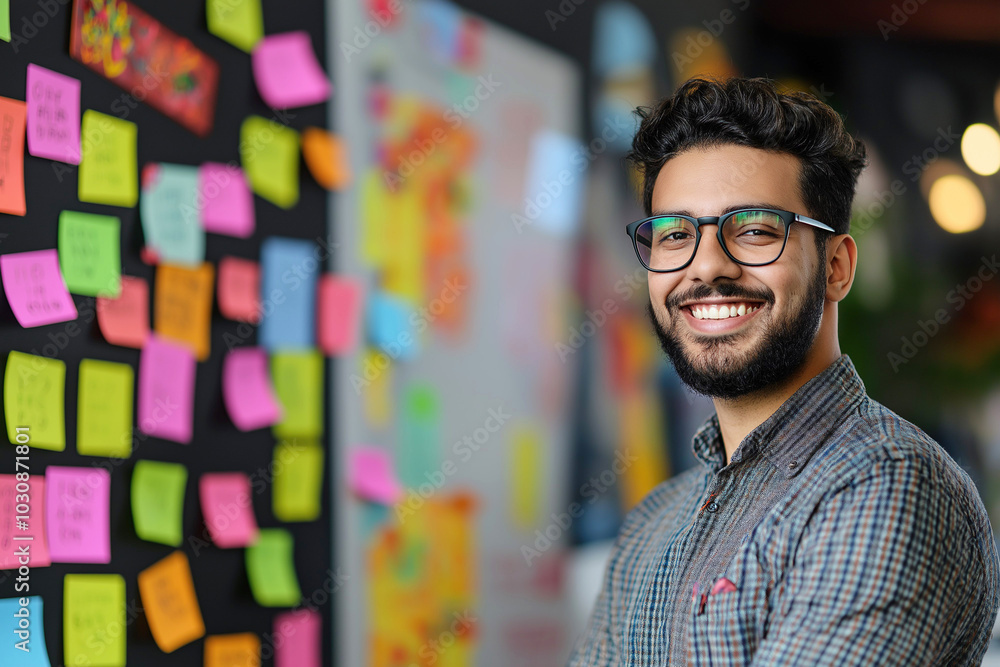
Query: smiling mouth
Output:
(722,311)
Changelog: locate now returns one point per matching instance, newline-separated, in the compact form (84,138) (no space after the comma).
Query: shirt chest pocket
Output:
(725,630)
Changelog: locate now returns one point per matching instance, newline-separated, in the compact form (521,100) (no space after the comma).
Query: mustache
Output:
(724,291)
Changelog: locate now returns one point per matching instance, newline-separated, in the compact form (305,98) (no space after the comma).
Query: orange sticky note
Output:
(182,309)
(13,114)
(239,289)
(171,605)
(326,156)
(125,320)
(339,314)
(239,650)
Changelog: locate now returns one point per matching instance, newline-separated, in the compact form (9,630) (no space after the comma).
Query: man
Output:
(820,527)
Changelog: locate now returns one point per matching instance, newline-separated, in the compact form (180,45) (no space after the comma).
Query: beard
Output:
(721,371)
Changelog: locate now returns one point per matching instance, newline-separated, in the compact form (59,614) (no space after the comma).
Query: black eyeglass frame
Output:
(787,217)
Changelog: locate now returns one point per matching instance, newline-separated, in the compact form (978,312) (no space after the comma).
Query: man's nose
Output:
(711,261)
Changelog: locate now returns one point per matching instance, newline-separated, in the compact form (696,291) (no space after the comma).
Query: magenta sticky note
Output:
(339,314)
(53,115)
(247,389)
(77,506)
(166,389)
(287,72)
(302,630)
(226,200)
(23,535)
(227,505)
(371,475)
(35,288)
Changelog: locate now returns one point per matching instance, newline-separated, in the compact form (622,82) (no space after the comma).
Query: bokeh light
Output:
(981,149)
(957,204)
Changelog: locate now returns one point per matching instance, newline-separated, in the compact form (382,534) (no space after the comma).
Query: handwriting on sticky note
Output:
(339,314)
(158,501)
(270,156)
(227,506)
(104,409)
(94,620)
(306,626)
(170,603)
(271,569)
(182,307)
(12,122)
(298,480)
(247,389)
(298,383)
(169,211)
(32,653)
(326,156)
(371,475)
(125,320)
(109,172)
(89,253)
(166,390)
(227,201)
(77,506)
(289,271)
(34,401)
(33,537)
(287,72)
(53,115)
(35,288)
(239,289)
(239,22)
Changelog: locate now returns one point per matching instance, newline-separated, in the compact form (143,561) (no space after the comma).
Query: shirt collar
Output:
(793,433)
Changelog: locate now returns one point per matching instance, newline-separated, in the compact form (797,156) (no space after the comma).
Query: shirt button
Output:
(792,464)
(713,507)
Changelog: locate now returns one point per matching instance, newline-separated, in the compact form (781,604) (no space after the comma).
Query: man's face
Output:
(731,357)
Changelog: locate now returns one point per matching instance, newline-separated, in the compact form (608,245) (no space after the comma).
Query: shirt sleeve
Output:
(888,572)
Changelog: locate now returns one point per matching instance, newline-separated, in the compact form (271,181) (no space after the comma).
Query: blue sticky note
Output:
(554,186)
(624,41)
(23,642)
(440,24)
(170,216)
(389,328)
(289,269)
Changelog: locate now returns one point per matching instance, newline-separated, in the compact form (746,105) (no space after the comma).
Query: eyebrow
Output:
(728,209)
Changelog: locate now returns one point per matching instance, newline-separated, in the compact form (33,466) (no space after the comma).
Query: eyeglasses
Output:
(749,236)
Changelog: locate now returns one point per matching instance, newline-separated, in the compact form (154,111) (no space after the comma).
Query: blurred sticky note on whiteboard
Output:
(287,72)
(12,125)
(166,377)
(227,506)
(94,620)
(170,603)
(38,552)
(53,115)
(239,22)
(526,476)
(89,253)
(10,654)
(326,156)
(35,288)
(271,569)
(227,199)
(239,289)
(109,170)
(306,626)
(182,308)
(77,514)
(234,650)
(554,186)
(339,314)
(247,389)
(104,409)
(125,320)
(158,501)
(34,401)
(298,480)
(269,152)
(298,384)
(371,475)
(170,213)
(289,271)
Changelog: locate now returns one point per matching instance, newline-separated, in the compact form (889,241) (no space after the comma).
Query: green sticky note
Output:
(108,169)
(270,155)
(239,22)
(89,253)
(419,453)
(298,480)
(33,400)
(94,625)
(104,409)
(158,501)
(5,20)
(298,384)
(271,569)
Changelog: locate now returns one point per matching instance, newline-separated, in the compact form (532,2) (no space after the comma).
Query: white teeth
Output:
(742,310)
(717,312)
(732,311)
(713,312)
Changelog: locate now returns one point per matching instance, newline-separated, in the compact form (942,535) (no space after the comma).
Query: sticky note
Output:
(298,383)
(89,253)
(34,400)
(326,156)
(166,390)
(170,213)
(371,475)
(419,452)
(287,72)
(271,569)
(239,22)
(388,322)
(5,20)
(554,159)
(35,289)
(236,650)
(170,603)
(77,503)
(239,289)
(440,23)
(12,123)
(36,653)
(227,506)
(305,625)
(298,480)
(247,390)
(125,320)
(339,314)
(269,152)
(526,477)
(225,197)
(53,115)
(109,172)
(289,272)
(94,624)
(182,305)
(374,381)
(158,501)
(30,532)
(104,409)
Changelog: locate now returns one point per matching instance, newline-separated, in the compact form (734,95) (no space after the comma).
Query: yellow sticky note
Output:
(237,650)
(406,245)
(158,501)
(270,155)
(104,409)
(374,382)
(271,569)
(94,625)
(239,22)
(374,218)
(182,306)
(109,172)
(170,603)
(298,384)
(298,480)
(33,399)
(526,476)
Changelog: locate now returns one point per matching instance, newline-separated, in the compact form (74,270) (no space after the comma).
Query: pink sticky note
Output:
(166,390)
(339,314)
(371,476)
(15,535)
(287,72)
(247,389)
(53,115)
(239,289)
(227,505)
(77,506)
(125,320)
(35,288)
(227,202)
(301,631)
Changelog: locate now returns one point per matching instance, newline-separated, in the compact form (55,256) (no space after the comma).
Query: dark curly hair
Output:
(755,113)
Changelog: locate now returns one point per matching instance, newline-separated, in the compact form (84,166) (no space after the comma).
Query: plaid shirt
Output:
(838,534)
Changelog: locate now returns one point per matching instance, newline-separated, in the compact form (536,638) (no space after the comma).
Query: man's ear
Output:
(841,262)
